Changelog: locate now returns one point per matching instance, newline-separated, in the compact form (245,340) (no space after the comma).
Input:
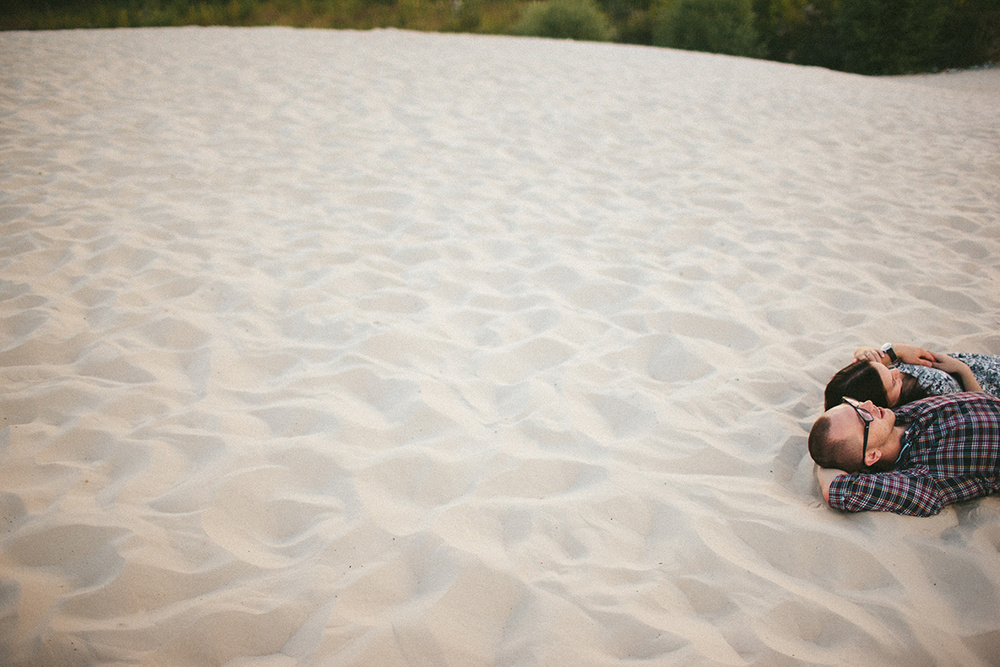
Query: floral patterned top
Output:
(986,368)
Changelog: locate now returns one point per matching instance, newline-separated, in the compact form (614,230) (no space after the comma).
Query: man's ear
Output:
(872,456)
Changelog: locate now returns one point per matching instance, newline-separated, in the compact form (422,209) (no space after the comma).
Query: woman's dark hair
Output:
(860,381)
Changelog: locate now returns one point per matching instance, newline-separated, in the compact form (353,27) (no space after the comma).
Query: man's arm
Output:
(911,492)
(825,477)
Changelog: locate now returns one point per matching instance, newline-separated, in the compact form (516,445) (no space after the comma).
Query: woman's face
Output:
(891,381)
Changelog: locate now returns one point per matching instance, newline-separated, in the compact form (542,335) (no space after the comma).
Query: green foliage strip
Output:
(864,36)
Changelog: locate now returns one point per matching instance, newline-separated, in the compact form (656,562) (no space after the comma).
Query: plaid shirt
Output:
(950,453)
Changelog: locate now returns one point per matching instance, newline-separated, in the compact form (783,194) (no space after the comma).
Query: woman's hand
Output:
(948,364)
(959,369)
(868,354)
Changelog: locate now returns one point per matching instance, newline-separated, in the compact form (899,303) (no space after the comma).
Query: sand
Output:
(387,348)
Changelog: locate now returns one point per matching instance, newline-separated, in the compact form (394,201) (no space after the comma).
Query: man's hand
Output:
(825,477)
(911,354)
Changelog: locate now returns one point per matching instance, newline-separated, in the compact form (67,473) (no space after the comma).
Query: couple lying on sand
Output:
(909,431)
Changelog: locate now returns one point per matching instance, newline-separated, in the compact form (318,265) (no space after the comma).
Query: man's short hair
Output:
(828,452)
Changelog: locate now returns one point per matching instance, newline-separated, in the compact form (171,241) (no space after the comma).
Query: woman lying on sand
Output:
(899,374)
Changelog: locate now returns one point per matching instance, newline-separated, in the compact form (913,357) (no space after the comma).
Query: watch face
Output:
(887,349)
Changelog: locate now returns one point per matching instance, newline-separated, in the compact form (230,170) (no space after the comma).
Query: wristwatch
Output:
(887,349)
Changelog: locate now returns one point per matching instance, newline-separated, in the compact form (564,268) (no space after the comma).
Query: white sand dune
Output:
(386,348)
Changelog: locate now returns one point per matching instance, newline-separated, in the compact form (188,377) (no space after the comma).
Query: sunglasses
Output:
(867,418)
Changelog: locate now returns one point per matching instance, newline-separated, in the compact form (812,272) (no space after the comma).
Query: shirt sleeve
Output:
(914,493)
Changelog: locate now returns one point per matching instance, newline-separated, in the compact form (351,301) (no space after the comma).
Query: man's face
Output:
(847,423)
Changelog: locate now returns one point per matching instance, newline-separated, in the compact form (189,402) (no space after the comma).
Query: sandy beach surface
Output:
(388,348)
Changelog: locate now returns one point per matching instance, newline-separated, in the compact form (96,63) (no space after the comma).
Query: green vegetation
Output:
(427,15)
(880,37)
(717,26)
(864,36)
(565,19)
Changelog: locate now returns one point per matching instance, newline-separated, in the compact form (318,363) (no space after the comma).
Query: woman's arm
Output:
(960,369)
(907,354)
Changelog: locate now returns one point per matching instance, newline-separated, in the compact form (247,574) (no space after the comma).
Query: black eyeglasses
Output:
(867,418)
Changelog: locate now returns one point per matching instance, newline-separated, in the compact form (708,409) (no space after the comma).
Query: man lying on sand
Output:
(925,455)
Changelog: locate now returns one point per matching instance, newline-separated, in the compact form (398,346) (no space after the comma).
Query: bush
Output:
(970,34)
(889,37)
(880,37)
(565,19)
(716,26)
(618,11)
(637,29)
(467,15)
